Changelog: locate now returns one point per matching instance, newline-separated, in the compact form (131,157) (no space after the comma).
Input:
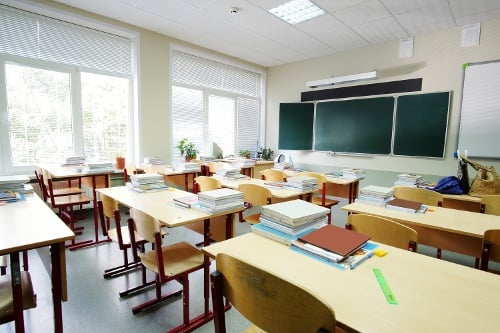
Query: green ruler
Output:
(389,296)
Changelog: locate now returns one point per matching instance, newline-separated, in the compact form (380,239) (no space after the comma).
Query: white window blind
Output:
(215,79)
(43,38)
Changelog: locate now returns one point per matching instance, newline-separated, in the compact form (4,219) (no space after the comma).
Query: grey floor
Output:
(95,306)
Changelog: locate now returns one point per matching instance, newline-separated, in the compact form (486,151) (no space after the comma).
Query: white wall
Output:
(437,58)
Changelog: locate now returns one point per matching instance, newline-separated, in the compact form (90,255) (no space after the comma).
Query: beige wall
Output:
(437,58)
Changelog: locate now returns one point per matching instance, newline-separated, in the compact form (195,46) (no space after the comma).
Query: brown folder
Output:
(409,204)
(336,239)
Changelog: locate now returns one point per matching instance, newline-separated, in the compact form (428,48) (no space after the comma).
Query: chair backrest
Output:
(213,166)
(206,183)
(491,247)
(384,230)
(273,175)
(255,194)
(490,204)
(426,197)
(109,205)
(269,302)
(41,184)
(144,225)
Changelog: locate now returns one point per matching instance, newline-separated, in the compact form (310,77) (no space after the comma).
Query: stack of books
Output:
(189,166)
(147,182)
(353,173)
(229,172)
(98,167)
(342,247)
(288,220)
(12,188)
(74,160)
(410,180)
(186,201)
(375,195)
(303,183)
(219,200)
(153,161)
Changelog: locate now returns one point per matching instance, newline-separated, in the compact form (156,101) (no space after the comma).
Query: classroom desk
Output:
(445,228)
(160,206)
(30,224)
(279,193)
(432,295)
(62,172)
(337,186)
(178,177)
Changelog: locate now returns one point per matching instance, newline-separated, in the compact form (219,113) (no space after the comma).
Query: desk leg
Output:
(17,291)
(59,291)
(96,216)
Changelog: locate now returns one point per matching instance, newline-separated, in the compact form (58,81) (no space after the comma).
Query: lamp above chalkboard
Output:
(342,79)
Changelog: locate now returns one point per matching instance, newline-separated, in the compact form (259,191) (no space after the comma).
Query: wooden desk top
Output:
(433,295)
(282,193)
(160,205)
(329,178)
(167,170)
(29,224)
(59,171)
(447,219)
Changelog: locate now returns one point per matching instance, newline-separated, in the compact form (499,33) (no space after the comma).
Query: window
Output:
(65,90)
(215,102)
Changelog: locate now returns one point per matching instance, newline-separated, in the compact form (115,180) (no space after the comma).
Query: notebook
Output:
(336,239)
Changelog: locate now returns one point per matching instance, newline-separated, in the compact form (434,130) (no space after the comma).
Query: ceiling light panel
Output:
(297,11)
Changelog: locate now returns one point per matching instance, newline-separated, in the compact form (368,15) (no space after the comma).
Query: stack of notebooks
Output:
(375,195)
(353,174)
(230,172)
(98,167)
(220,200)
(406,206)
(153,161)
(147,182)
(288,220)
(410,180)
(189,166)
(74,160)
(245,162)
(302,183)
(341,247)
(12,188)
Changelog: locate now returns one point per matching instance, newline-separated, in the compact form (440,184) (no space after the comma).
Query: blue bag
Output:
(448,185)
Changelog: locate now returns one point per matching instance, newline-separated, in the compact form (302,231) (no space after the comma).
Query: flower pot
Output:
(120,163)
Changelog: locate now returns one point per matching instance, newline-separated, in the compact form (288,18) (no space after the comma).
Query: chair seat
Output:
(57,192)
(252,219)
(6,301)
(113,235)
(328,202)
(75,199)
(177,258)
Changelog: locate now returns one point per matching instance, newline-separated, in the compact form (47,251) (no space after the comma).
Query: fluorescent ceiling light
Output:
(342,79)
(297,11)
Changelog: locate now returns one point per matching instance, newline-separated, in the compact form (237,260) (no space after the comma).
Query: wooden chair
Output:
(490,248)
(426,197)
(64,205)
(273,175)
(490,204)
(109,210)
(321,199)
(59,191)
(254,195)
(269,302)
(217,224)
(384,230)
(168,262)
(6,295)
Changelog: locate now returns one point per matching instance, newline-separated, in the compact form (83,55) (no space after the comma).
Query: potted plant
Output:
(245,153)
(187,149)
(119,161)
(267,154)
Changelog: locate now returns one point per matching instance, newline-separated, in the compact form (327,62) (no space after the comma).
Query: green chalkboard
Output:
(355,125)
(296,126)
(421,123)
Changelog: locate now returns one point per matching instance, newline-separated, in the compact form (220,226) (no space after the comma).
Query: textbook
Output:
(405,206)
(277,235)
(293,212)
(186,201)
(336,240)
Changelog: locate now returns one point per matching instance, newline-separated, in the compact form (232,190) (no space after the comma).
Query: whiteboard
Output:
(480,111)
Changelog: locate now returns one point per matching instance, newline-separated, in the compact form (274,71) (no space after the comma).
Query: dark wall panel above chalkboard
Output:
(421,123)
(354,125)
(296,126)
